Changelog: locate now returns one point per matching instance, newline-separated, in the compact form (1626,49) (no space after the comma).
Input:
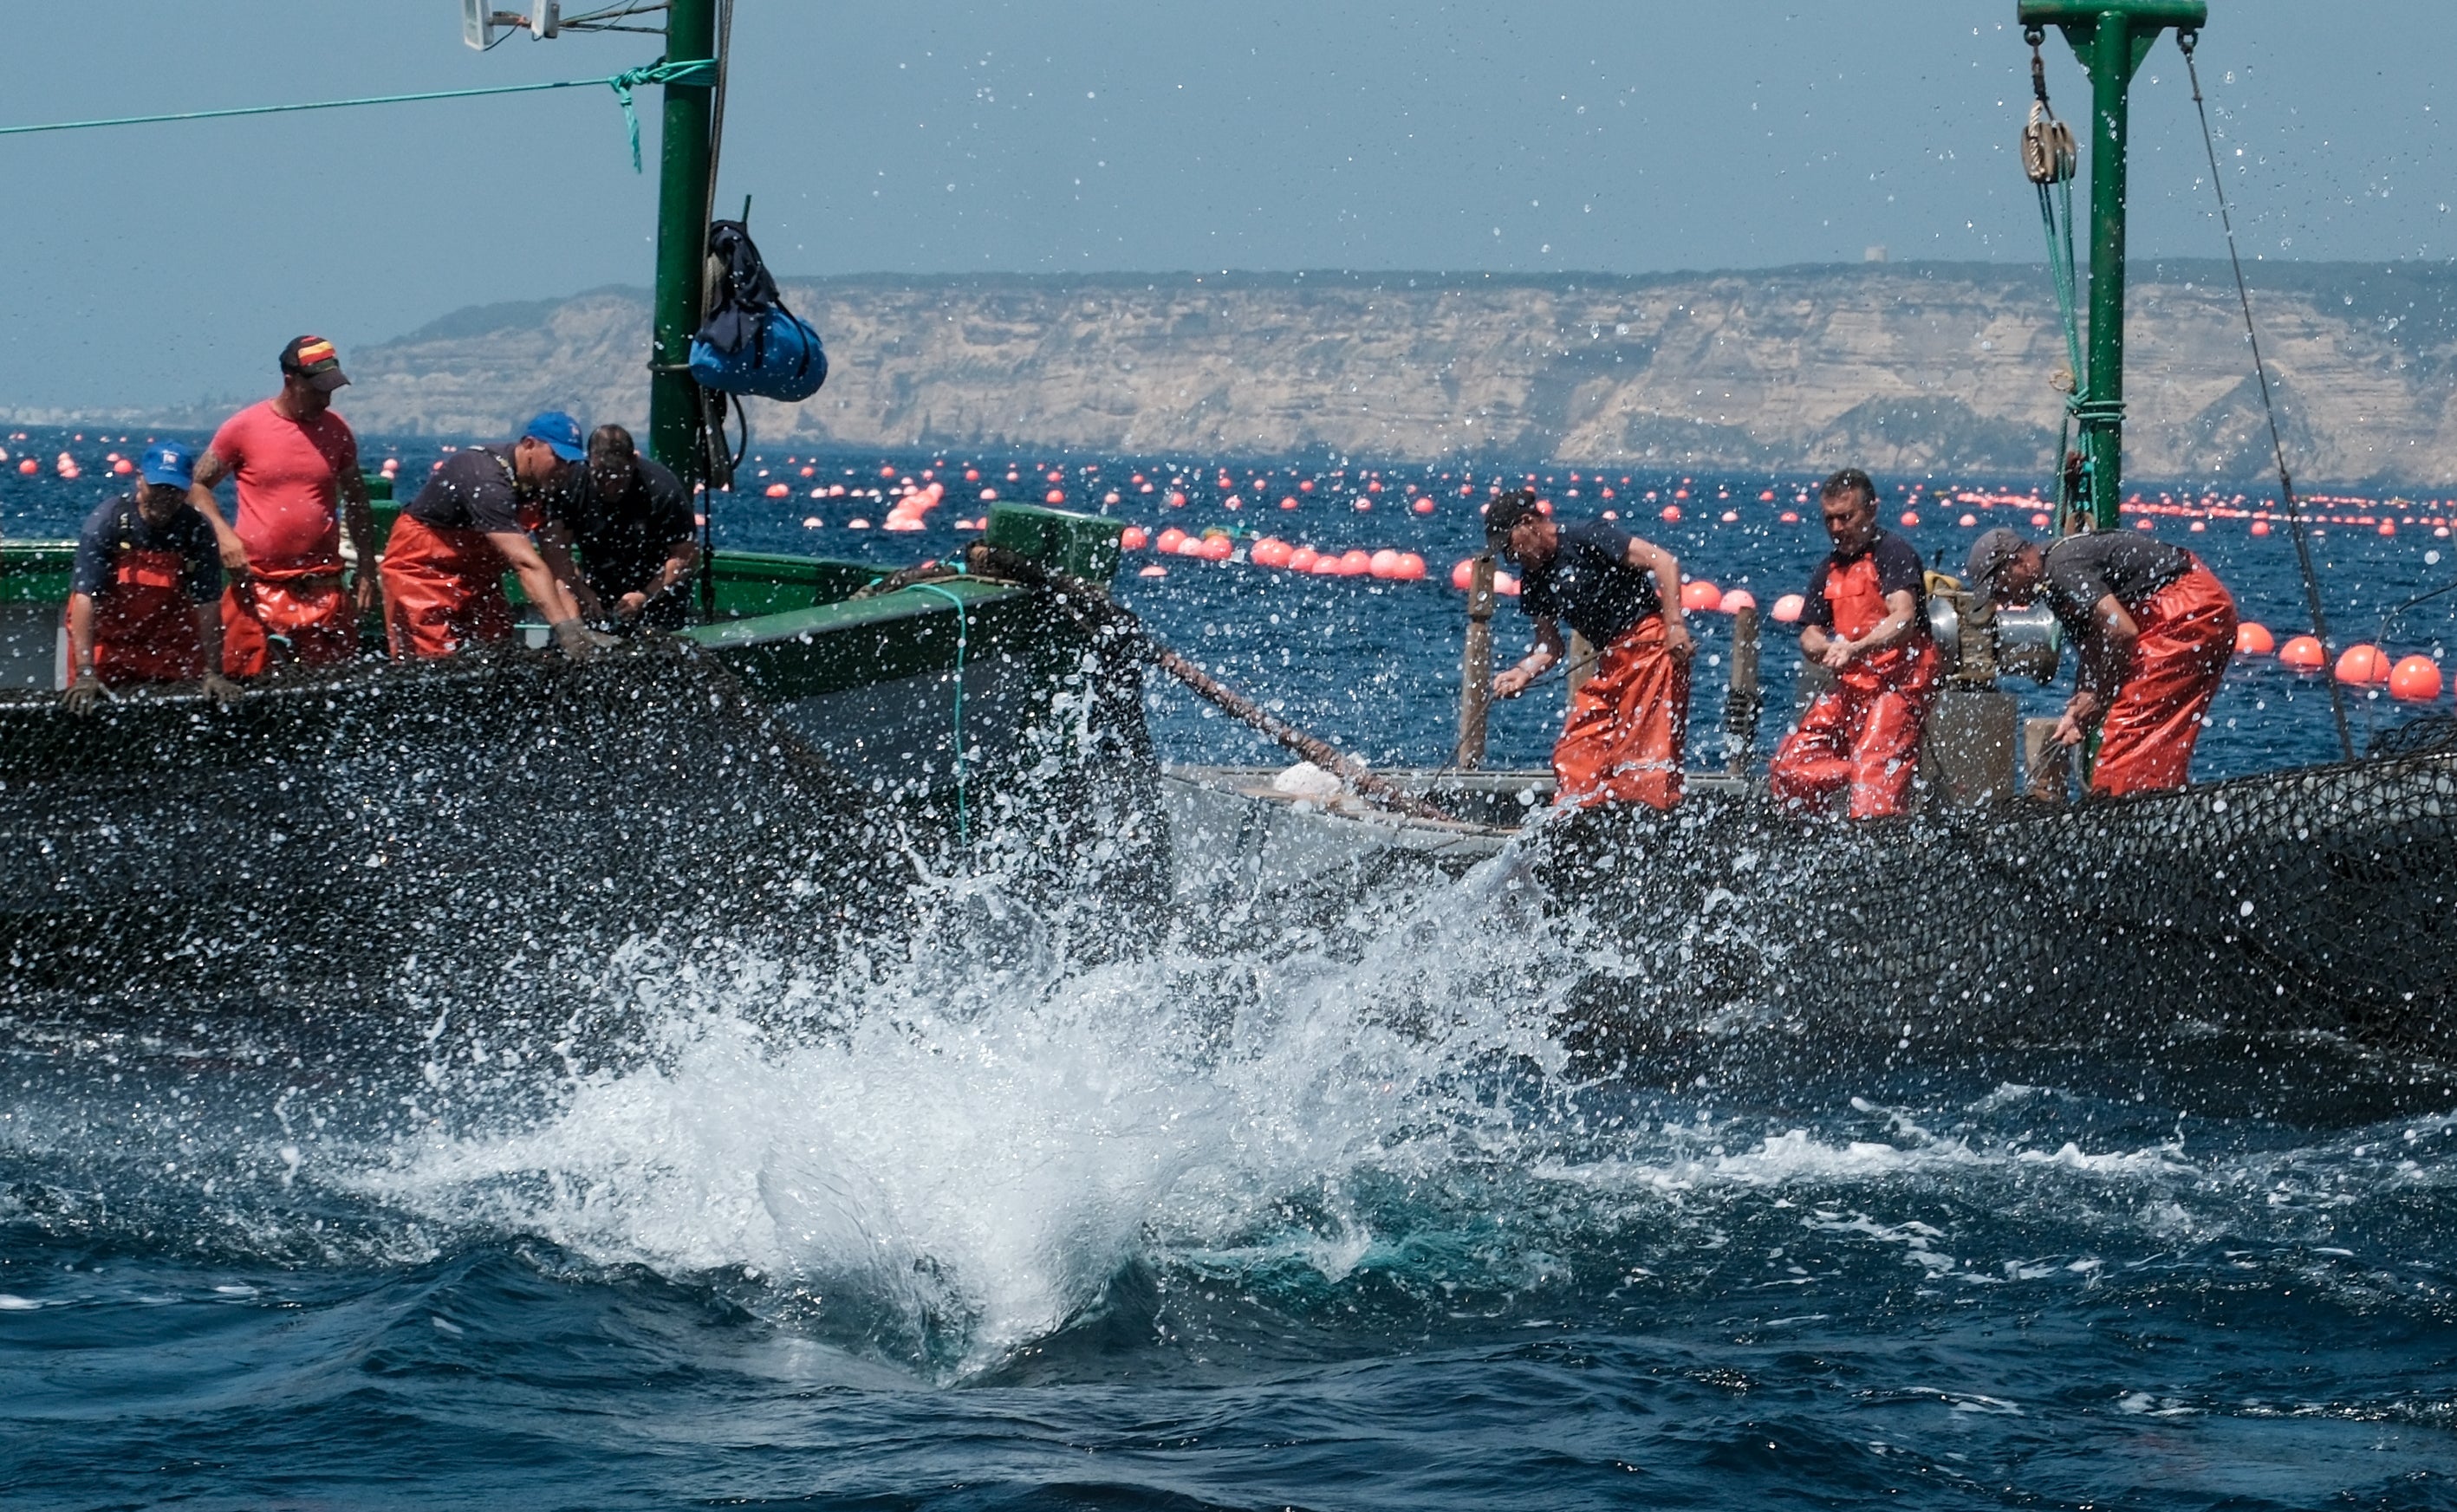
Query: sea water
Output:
(1306,1217)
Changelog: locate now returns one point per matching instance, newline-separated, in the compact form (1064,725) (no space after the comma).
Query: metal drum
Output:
(1944,628)
(2029,641)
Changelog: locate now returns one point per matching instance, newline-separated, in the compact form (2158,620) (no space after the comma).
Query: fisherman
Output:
(297,462)
(443,567)
(1628,723)
(2153,629)
(143,593)
(1865,622)
(633,522)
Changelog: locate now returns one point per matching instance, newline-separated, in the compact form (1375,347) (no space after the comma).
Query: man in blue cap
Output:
(145,595)
(443,567)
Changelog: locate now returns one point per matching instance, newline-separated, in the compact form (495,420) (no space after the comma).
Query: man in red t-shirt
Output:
(296,464)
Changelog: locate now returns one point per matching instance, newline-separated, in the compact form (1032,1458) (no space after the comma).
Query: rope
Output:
(701,71)
(961,820)
(2185,40)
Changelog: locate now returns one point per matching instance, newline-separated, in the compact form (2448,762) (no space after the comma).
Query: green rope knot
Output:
(700,72)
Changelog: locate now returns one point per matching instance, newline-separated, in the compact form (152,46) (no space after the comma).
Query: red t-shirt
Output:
(289,481)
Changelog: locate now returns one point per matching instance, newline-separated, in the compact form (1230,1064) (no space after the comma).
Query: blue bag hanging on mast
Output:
(751,343)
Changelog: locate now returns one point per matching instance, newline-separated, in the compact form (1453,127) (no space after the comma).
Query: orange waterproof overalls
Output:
(145,624)
(1628,724)
(1864,733)
(299,598)
(2187,633)
(443,588)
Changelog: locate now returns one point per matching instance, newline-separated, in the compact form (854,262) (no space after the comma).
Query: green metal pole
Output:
(2111,37)
(683,191)
(2102,408)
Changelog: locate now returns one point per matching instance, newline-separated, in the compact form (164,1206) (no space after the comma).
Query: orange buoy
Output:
(1766,495)
(1672,513)
(2260,527)
(1699,594)
(1288,503)
(1787,609)
(1729,517)
(1216,548)
(1176,499)
(2414,679)
(2363,664)
(1305,487)
(1271,552)
(1788,518)
(1423,506)
(972,475)
(1155,570)
(1680,493)
(1411,568)
(778,491)
(2304,654)
(123,467)
(1506,586)
(1326,565)
(30,466)
(1356,564)
(1911,517)
(1967,520)
(1736,601)
(1056,496)
(1187,547)
(1383,563)
(1169,539)
(1134,538)
(1303,559)
(2388,527)
(2252,638)
(1463,574)
(887,472)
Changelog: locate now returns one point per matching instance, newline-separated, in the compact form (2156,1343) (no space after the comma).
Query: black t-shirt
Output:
(1590,583)
(625,538)
(1898,567)
(119,522)
(2083,569)
(474,490)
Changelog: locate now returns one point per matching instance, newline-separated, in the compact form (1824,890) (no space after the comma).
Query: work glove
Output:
(579,641)
(83,696)
(222,690)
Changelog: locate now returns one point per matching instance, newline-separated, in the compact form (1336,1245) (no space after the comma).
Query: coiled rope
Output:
(2185,40)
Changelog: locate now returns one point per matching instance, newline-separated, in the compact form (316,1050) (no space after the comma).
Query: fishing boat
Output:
(1990,925)
(818,738)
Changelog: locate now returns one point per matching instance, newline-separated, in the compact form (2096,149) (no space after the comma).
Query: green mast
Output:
(683,191)
(2111,37)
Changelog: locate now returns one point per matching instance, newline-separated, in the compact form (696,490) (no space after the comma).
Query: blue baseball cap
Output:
(559,431)
(171,463)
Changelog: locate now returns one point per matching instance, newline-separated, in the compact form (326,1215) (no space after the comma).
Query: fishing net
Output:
(2308,901)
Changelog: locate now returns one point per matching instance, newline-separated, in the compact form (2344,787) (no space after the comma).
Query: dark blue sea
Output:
(1283,1227)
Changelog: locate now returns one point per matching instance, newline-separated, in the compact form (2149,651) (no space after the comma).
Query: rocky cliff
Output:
(1898,366)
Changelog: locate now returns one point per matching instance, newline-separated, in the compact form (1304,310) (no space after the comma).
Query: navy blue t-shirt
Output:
(1590,583)
(119,522)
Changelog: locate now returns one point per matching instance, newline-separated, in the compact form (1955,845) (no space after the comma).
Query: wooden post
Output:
(1475,666)
(1740,708)
(1581,667)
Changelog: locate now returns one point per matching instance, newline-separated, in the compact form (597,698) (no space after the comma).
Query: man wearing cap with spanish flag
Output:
(296,464)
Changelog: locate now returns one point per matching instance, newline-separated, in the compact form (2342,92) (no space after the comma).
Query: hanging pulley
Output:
(2048,154)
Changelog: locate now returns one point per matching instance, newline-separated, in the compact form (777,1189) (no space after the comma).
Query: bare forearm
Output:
(81,635)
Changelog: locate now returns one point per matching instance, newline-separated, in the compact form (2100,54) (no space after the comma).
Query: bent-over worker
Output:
(632,520)
(296,464)
(144,594)
(1864,620)
(1629,723)
(2153,629)
(443,567)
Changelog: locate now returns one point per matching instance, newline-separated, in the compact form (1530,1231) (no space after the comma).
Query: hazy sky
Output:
(159,263)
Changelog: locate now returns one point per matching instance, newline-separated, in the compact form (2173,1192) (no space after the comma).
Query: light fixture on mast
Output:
(481,21)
